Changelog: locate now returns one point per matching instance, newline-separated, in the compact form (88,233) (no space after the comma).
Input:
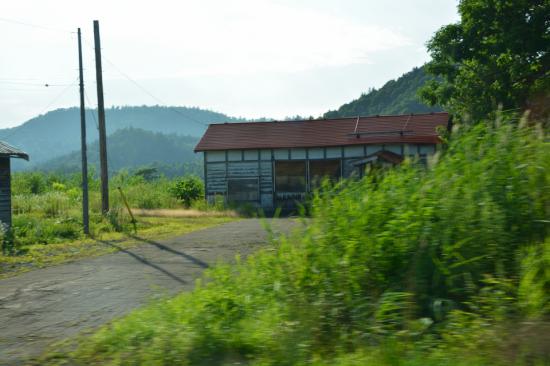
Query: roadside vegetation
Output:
(445,265)
(47,216)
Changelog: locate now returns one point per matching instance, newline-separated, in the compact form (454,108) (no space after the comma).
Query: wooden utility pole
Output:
(101,120)
(85,217)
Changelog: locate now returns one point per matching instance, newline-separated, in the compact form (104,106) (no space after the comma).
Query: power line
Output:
(55,99)
(58,96)
(13,21)
(18,79)
(25,90)
(31,84)
(153,96)
(97,127)
(143,89)
(91,110)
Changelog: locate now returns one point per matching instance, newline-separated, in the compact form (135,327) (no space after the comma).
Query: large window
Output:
(290,183)
(243,190)
(290,176)
(321,169)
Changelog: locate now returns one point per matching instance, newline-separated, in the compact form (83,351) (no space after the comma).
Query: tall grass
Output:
(440,266)
(47,207)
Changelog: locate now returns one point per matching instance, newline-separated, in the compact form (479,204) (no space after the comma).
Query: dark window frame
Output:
(256,181)
(335,178)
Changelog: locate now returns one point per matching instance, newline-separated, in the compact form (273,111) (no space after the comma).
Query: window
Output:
(215,156)
(334,152)
(354,151)
(243,190)
(316,153)
(290,176)
(234,155)
(427,149)
(396,149)
(320,169)
(251,155)
(265,154)
(281,154)
(297,154)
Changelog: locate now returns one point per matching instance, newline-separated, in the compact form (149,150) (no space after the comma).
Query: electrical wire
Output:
(143,89)
(31,84)
(59,95)
(155,97)
(54,100)
(92,111)
(13,21)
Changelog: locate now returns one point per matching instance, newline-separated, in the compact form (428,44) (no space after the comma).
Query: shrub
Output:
(54,204)
(32,182)
(188,190)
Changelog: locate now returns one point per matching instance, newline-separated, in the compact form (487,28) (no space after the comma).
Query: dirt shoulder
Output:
(50,304)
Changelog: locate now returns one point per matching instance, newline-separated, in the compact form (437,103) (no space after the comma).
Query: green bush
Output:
(30,229)
(188,189)
(30,183)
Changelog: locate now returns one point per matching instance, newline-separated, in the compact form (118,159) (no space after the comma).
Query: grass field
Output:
(40,255)
(47,218)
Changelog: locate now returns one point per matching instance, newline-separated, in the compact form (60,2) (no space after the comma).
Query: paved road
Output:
(47,305)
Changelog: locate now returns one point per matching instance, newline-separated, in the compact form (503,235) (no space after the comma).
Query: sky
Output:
(244,58)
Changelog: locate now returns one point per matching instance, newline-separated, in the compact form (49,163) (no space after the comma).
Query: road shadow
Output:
(160,246)
(144,261)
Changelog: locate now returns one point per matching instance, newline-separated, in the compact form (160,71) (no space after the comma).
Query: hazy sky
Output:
(249,58)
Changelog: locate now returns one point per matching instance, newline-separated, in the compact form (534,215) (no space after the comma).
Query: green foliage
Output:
(143,193)
(496,55)
(534,287)
(218,204)
(188,189)
(32,183)
(32,229)
(395,97)
(171,154)
(431,266)
(47,207)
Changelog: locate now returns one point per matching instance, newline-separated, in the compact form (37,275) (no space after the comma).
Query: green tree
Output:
(188,189)
(496,55)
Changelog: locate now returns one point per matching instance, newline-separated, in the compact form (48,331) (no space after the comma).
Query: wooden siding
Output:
(5,191)
(221,166)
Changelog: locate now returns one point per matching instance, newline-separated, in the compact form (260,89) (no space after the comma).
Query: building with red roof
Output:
(276,164)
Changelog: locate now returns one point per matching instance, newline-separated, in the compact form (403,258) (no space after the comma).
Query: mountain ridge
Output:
(133,148)
(397,96)
(57,132)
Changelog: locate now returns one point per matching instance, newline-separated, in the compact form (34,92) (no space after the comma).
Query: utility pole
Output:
(101,118)
(85,216)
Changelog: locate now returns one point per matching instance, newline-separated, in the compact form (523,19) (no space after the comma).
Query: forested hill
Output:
(57,132)
(395,97)
(133,148)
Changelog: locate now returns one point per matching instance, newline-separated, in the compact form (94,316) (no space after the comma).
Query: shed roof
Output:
(6,150)
(408,128)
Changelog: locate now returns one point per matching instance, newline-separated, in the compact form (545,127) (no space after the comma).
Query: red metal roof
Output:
(409,128)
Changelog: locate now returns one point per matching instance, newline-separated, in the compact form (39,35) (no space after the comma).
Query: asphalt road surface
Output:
(46,305)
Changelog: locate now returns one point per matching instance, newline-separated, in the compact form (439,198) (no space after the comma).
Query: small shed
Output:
(273,165)
(6,153)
